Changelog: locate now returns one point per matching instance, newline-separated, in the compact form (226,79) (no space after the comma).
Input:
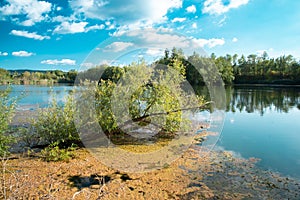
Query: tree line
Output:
(258,69)
(36,76)
(233,69)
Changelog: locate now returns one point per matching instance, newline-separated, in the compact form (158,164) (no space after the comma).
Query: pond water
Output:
(264,123)
(32,97)
(261,122)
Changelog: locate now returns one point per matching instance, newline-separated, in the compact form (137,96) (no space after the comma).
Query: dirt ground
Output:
(215,175)
(197,174)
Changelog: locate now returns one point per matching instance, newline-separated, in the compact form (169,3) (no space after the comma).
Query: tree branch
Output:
(139,119)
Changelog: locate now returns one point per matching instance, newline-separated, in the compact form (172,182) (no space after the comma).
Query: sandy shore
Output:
(197,174)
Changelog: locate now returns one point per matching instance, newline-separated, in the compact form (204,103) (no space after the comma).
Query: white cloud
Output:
(125,12)
(155,52)
(73,27)
(159,39)
(234,39)
(22,53)
(118,46)
(3,53)
(128,27)
(34,10)
(95,27)
(194,25)
(60,18)
(178,19)
(210,42)
(26,34)
(218,7)
(59,62)
(149,42)
(76,27)
(191,9)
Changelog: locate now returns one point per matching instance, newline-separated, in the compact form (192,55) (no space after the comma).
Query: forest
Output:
(233,69)
(36,77)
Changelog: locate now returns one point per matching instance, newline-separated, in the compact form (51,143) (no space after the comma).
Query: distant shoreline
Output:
(233,84)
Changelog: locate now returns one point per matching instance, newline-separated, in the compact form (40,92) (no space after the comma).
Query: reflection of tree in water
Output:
(261,99)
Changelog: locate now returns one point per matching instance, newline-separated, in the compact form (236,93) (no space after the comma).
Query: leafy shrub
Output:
(157,96)
(7,108)
(56,124)
(54,153)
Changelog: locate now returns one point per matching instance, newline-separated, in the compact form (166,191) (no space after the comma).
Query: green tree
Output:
(26,75)
(4,76)
(7,108)
(225,68)
(151,94)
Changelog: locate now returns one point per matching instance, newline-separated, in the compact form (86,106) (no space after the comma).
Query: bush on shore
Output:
(7,108)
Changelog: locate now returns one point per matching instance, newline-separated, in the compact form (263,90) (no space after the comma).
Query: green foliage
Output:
(225,68)
(92,74)
(7,108)
(4,76)
(54,153)
(36,77)
(56,124)
(105,115)
(262,69)
(157,96)
(112,73)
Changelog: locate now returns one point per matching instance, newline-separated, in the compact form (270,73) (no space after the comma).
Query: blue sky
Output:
(61,34)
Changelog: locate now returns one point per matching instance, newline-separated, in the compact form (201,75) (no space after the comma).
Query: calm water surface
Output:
(264,123)
(261,122)
(34,96)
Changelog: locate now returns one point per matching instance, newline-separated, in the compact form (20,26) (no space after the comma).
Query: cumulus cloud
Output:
(153,38)
(59,62)
(58,8)
(26,34)
(218,7)
(210,42)
(191,9)
(34,10)
(234,39)
(194,25)
(22,53)
(151,43)
(178,19)
(124,12)
(70,27)
(118,46)
(3,53)
(76,27)
(95,27)
(155,52)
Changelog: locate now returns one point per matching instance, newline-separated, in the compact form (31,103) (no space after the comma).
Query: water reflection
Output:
(262,122)
(261,99)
